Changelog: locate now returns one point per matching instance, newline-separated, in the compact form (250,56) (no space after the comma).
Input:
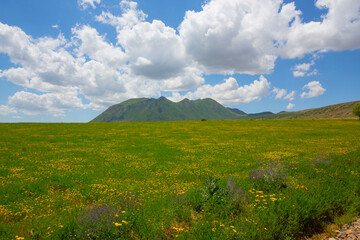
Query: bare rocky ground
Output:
(346,232)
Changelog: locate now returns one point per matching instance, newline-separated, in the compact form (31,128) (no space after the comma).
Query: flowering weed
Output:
(270,175)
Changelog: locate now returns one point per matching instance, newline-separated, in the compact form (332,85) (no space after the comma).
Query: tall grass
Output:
(187,180)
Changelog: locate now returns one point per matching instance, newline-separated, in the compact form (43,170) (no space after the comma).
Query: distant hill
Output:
(235,110)
(162,109)
(260,114)
(342,110)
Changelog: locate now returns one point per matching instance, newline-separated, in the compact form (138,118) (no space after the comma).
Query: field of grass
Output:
(186,180)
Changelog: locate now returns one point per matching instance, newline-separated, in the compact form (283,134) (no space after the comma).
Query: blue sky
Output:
(67,61)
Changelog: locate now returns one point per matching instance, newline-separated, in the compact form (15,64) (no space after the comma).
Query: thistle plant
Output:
(212,193)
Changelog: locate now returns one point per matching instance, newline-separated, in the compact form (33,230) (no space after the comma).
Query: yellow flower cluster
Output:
(178,229)
(262,200)
(251,221)
(318,170)
(120,224)
(302,187)
(217,225)
(355,173)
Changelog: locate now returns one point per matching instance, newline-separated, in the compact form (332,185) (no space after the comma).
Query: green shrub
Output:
(356,110)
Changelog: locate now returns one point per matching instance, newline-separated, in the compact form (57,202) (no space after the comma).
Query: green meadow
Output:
(240,179)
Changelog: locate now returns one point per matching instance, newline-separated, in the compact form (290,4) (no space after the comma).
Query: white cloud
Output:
(279,92)
(338,30)
(230,36)
(153,50)
(6,110)
(189,78)
(129,18)
(246,36)
(290,96)
(304,66)
(159,45)
(282,93)
(290,106)
(299,73)
(91,44)
(302,70)
(315,89)
(85,3)
(47,66)
(50,103)
(230,92)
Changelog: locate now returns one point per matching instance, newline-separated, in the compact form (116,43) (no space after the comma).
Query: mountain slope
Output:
(235,110)
(162,109)
(341,110)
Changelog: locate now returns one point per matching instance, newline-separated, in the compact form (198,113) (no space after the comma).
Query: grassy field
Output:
(168,180)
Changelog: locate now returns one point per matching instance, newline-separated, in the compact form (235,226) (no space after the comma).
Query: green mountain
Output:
(162,109)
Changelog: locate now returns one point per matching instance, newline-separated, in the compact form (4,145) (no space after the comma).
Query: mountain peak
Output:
(162,109)
(162,98)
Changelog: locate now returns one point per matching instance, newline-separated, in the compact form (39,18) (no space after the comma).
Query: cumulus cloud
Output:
(315,89)
(282,93)
(230,92)
(290,106)
(50,103)
(279,92)
(337,31)
(85,3)
(49,67)
(230,36)
(129,18)
(153,50)
(90,43)
(6,110)
(233,36)
(302,70)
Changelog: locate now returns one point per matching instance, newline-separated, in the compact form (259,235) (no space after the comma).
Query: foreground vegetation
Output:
(268,179)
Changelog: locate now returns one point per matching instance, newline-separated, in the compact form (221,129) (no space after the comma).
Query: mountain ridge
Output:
(162,109)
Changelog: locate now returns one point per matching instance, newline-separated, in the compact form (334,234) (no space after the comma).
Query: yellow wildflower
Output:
(118,224)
